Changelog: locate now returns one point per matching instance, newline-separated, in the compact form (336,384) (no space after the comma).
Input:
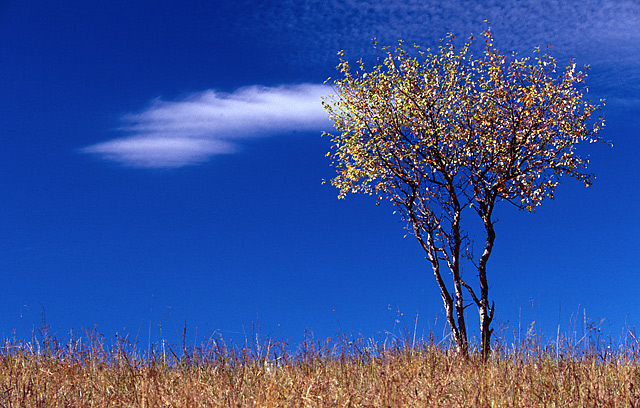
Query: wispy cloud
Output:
(170,134)
(602,33)
(571,26)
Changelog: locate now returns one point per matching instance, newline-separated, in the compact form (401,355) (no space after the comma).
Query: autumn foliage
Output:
(442,133)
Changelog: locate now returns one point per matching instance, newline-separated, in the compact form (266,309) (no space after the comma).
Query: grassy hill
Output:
(331,373)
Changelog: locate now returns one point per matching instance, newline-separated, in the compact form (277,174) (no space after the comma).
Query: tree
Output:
(442,134)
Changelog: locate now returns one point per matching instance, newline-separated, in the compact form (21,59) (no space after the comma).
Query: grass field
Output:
(331,373)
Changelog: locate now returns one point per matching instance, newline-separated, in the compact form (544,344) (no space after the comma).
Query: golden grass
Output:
(341,374)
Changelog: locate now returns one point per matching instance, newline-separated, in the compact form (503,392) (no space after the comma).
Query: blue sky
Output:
(161,162)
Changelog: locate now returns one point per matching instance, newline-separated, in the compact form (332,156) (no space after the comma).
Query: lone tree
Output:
(442,134)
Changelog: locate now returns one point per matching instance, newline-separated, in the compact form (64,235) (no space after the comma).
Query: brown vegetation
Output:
(48,373)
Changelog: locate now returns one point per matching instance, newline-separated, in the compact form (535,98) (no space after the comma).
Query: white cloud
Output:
(159,151)
(171,134)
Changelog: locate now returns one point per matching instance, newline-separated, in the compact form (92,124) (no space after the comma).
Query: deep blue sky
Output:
(162,161)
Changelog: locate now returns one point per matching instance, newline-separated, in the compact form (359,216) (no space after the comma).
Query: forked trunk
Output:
(458,330)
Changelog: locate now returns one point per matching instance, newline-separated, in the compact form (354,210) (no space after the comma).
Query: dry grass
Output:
(47,373)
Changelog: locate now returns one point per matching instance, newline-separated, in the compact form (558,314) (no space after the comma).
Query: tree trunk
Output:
(454,266)
(458,331)
(486,312)
(485,332)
